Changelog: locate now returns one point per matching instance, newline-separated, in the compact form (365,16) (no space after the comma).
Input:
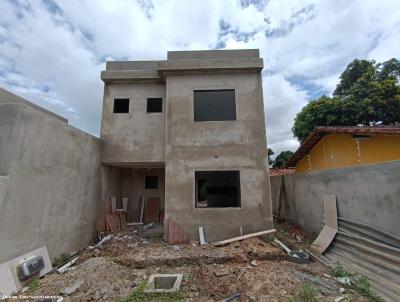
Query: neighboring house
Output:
(185,138)
(335,147)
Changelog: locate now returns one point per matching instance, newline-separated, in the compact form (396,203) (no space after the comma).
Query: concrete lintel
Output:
(142,164)
(150,76)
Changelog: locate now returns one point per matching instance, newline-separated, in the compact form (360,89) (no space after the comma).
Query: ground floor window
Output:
(217,189)
(151,182)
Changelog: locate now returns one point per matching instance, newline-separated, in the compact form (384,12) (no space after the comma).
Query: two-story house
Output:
(184,138)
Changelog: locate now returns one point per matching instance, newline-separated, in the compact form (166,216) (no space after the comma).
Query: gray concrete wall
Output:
(211,146)
(137,136)
(49,182)
(369,194)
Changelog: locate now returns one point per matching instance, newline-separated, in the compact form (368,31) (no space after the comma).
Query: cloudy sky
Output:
(52,52)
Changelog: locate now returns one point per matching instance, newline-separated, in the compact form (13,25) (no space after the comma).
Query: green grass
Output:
(139,294)
(339,272)
(306,294)
(33,284)
(362,285)
(61,260)
(359,284)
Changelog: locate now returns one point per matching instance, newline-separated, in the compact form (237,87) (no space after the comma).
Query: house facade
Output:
(184,138)
(336,147)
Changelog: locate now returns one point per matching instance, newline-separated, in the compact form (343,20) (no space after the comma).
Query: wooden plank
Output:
(152,210)
(122,218)
(223,242)
(112,222)
(141,209)
(201,235)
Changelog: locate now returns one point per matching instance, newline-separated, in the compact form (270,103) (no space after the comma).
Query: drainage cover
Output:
(164,283)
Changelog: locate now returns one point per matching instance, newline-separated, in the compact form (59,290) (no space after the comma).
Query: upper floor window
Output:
(151,182)
(154,105)
(214,105)
(121,106)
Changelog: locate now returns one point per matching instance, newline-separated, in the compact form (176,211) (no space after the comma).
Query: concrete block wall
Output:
(49,181)
(369,194)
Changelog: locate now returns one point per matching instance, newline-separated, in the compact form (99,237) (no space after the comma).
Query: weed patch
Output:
(139,294)
(61,260)
(306,294)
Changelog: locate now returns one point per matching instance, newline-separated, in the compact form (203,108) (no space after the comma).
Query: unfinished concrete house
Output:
(184,141)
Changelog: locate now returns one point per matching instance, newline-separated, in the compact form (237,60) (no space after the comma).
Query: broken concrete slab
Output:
(221,272)
(73,288)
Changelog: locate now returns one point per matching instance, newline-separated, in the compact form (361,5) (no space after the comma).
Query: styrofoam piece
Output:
(9,282)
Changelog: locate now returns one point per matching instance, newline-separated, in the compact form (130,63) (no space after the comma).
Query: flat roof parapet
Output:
(214,54)
(199,61)
(132,65)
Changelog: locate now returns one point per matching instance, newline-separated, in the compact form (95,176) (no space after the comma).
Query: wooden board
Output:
(152,210)
(243,237)
(112,222)
(122,218)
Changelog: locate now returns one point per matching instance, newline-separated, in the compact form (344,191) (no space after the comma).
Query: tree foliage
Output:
(281,159)
(368,94)
(270,153)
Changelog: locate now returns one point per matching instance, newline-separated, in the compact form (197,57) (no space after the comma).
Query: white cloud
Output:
(282,102)
(52,52)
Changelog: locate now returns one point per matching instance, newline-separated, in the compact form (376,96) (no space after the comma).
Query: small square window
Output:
(121,106)
(151,182)
(154,105)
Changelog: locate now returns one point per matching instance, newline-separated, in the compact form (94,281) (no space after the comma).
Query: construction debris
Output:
(255,268)
(232,298)
(224,242)
(201,236)
(330,228)
(71,289)
(294,256)
(150,226)
(67,266)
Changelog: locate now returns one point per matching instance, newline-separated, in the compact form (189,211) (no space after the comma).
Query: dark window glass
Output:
(217,189)
(154,105)
(214,105)
(151,182)
(121,106)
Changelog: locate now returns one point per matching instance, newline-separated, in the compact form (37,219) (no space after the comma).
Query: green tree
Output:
(367,94)
(270,153)
(281,159)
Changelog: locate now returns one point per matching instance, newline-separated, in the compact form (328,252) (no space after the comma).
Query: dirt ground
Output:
(256,268)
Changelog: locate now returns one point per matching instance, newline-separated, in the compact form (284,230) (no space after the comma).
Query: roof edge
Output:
(320,131)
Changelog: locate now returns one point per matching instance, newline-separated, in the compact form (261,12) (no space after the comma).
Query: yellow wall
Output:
(342,150)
